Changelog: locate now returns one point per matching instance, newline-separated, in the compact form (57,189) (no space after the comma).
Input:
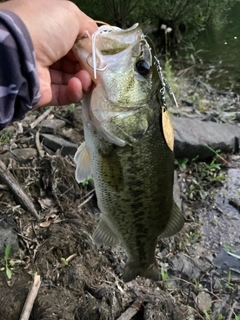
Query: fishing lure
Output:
(165,85)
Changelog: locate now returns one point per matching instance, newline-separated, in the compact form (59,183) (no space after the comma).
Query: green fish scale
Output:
(134,189)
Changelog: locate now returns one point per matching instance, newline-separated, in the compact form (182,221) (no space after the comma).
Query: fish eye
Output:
(142,67)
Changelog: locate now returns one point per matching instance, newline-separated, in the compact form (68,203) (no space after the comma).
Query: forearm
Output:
(19,85)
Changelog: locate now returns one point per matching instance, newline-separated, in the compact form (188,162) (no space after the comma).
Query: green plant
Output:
(9,263)
(197,187)
(169,76)
(211,171)
(216,152)
(168,70)
(181,163)
(193,52)
(164,274)
(229,286)
(166,31)
(86,182)
(64,261)
(197,284)
(220,284)
(71,106)
(193,235)
(31,272)
(4,137)
(207,315)
(198,102)
(227,247)
(6,257)
(180,246)
(237,317)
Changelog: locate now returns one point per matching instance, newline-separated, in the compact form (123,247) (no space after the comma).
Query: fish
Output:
(128,148)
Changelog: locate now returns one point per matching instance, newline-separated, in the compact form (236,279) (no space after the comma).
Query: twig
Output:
(61,118)
(4,187)
(38,145)
(85,201)
(235,270)
(232,310)
(26,238)
(17,190)
(32,294)
(88,194)
(131,311)
(70,258)
(41,118)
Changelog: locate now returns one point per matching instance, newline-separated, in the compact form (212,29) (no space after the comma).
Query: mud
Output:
(79,280)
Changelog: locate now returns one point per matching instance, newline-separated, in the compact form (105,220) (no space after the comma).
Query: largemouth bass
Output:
(128,147)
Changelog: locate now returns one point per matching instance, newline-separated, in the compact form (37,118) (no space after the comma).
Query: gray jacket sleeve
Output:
(19,84)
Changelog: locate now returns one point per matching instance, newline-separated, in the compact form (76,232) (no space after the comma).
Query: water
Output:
(222,52)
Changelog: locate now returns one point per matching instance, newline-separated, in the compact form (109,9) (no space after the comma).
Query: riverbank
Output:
(80,281)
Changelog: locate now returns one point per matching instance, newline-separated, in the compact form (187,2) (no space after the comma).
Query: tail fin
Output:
(131,271)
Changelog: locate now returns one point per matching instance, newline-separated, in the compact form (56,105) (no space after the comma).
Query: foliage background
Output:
(186,17)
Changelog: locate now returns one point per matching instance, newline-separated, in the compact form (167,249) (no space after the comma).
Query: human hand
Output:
(54,26)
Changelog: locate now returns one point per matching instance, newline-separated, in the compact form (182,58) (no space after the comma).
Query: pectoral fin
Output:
(83,163)
(175,222)
(103,235)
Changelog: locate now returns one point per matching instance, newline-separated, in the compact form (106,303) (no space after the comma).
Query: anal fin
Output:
(83,163)
(103,235)
(175,222)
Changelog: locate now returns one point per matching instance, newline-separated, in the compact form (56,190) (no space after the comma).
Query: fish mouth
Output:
(96,52)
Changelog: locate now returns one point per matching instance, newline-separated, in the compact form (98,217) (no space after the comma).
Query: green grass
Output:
(6,257)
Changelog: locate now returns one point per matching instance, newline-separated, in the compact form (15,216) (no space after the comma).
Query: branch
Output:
(131,311)
(17,190)
(32,294)
(41,118)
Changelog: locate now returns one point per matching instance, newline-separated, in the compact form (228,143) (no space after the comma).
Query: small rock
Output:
(176,191)
(51,125)
(54,143)
(219,307)
(194,137)
(77,116)
(9,131)
(203,301)
(14,146)
(186,266)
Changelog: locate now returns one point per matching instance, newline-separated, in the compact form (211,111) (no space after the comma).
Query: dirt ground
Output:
(78,280)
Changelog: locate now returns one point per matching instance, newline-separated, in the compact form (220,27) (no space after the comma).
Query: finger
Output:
(85,79)
(65,89)
(66,94)
(59,77)
(65,65)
